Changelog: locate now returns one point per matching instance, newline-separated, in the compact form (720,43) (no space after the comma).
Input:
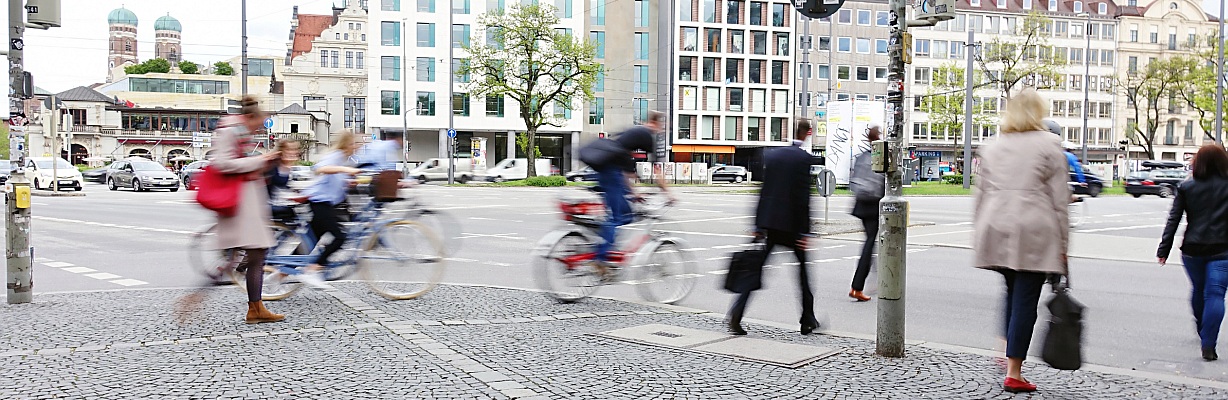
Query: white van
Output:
(436,169)
(517,168)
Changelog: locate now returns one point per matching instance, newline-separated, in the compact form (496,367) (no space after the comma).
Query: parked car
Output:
(96,175)
(41,169)
(582,174)
(6,168)
(1094,184)
(729,173)
(190,171)
(142,175)
(301,173)
(1160,181)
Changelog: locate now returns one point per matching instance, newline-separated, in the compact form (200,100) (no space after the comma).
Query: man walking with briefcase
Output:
(783,218)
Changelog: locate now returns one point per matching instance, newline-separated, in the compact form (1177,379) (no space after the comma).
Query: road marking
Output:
(717,258)
(827,260)
(939,233)
(694,220)
(701,211)
(695,249)
(103,276)
(457,259)
(852,257)
(727,246)
(469,207)
(916,250)
(705,233)
(57,264)
(80,270)
(466,235)
(1119,228)
(77,221)
(543,213)
(719,272)
(494,219)
(128,282)
(497,264)
(834,247)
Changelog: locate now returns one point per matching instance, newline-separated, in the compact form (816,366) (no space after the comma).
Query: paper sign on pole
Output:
(848,125)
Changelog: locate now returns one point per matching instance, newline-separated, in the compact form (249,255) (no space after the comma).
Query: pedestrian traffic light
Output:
(817,8)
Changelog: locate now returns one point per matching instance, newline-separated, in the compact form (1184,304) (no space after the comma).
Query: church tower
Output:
(122,49)
(167,33)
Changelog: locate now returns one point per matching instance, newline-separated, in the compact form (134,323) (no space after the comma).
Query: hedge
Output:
(546,181)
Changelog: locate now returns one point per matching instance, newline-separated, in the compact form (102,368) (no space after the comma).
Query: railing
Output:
(140,133)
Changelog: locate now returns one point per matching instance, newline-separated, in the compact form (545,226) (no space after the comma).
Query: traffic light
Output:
(817,8)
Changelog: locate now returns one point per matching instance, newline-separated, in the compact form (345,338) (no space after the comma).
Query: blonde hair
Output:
(284,142)
(344,140)
(1025,113)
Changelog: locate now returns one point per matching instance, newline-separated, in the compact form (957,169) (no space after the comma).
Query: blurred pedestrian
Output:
(326,195)
(278,178)
(783,218)
(867,187)
(1021,220)
(1203,200)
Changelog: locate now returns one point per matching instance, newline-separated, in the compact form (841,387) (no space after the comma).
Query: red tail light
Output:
(1148,183)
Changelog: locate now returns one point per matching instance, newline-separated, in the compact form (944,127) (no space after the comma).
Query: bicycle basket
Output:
(583,212)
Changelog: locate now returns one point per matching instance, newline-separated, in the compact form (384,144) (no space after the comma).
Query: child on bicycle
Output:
(325,194)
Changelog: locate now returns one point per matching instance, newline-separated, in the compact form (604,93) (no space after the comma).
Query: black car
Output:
(1159,182)
(98,175)
(141,175)
(729,173)
(1095,185)
(582,174)
(6,168)
(190,171)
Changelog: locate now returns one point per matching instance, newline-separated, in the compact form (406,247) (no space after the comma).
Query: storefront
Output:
(708,154)
(929,165)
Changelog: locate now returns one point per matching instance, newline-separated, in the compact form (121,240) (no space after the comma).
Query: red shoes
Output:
(858,295)
(1016,386)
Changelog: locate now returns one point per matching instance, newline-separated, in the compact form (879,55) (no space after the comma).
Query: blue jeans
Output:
(1208,281)
(613,182)
(1022,297)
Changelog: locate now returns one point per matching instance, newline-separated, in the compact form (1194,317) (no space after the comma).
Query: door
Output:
(124,175)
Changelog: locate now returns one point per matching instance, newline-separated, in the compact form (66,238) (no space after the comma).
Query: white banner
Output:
(848,125)
(479,155)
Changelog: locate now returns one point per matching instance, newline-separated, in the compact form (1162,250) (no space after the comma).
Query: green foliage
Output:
(156,65)
(189,67)
(1022,56)
(944,103)
(306,163)
(4,141)
(522,141)
(954,179)
(1146,90)
(545,181)
(223,68)
(82,167)
(531,63)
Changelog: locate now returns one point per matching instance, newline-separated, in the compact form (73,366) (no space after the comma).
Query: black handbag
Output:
(601,152)
(746,269)
(1063,347)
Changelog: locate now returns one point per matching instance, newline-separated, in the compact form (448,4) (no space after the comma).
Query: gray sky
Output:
(76,53)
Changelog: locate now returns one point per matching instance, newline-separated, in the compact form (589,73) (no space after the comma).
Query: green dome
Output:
(122,16)
(167,23)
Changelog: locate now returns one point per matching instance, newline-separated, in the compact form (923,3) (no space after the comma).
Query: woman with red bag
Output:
(248,228)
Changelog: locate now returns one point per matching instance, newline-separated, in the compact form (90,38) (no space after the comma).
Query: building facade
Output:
(122,44)
(167,39)
(326,68)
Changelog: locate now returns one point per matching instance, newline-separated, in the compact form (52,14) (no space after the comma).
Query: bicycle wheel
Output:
(205,258)
(443,224)
(402,260)
(276,285)
(668,275)
(559,273)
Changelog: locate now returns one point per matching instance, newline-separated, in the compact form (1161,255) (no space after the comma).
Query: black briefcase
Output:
(1063,347)
(746,269)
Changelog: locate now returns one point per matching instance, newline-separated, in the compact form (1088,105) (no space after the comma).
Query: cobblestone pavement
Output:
(465,342)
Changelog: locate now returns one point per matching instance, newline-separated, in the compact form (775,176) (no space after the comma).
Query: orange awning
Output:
(702,148)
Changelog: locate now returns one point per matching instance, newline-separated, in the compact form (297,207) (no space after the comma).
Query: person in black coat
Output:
(867,187)
(783,218)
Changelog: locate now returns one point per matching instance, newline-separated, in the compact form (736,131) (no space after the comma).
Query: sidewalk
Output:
(478,342)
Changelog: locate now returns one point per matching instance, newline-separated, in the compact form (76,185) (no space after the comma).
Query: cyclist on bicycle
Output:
(1071,159)
(616,177)
(325,194)
(383,155)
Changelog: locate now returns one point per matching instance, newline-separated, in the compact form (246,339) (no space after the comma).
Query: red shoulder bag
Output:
(219,192)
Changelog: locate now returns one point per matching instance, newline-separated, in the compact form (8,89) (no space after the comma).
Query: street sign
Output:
(826,182)
(817,8)
(451,133)
(268,123)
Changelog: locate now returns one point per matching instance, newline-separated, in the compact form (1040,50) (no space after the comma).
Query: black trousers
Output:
(1023,290)
(789,240)
(324,220)
(867,253)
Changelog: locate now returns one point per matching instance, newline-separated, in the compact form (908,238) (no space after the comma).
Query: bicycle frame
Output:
(366,223)
(619,256)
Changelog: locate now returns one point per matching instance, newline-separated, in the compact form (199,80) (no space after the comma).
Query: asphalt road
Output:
(1138,313)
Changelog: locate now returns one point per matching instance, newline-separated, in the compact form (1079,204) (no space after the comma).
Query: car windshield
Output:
(147,166)
(61,163)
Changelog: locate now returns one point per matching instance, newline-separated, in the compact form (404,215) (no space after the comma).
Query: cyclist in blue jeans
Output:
(615,179)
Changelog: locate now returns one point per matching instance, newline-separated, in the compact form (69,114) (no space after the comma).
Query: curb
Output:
(39,193)
(790,327)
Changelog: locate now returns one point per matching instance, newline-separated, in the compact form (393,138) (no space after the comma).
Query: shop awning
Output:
(702,148)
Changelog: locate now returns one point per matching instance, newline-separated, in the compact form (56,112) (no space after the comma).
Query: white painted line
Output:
(79,270)
(494,219)
(695,220)
(717,258)
(916,250)
(695,249)
(719,272)
(128,282)
(852,257)
(1119,228)
(102,275)
(468,207)
(942,233)
(695,210)
(543,213)
(458,259)
(727,246)
(497,264)
(834,247)
(705,233)
(58,264)
(827,260)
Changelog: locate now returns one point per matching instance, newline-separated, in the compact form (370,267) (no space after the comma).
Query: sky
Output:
(75,54)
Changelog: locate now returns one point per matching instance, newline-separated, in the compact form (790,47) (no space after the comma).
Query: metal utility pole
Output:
(55,144)
(831,63)
(19,280)
(969,48)
(893,207)
(806,69)
(1219,79)
(243,50)
(404,76)
(1087,70)
(452,103)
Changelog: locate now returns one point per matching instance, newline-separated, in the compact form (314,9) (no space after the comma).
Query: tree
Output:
(1196,82)
(223,68)
(156,65)
(1144,90)
(944,104)
(1023,58)
(536,66)
(189,67)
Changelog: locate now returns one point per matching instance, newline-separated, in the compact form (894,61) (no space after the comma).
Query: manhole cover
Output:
(665,335)
(789,355)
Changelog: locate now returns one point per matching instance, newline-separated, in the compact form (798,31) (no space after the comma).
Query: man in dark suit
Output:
(783,218)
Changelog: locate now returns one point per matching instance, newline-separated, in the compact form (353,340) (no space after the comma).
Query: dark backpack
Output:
(602,152)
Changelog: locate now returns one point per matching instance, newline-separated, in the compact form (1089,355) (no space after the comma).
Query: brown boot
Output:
(256,313)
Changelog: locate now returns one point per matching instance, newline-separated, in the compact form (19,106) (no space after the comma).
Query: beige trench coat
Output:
(1022,197)
(248,228)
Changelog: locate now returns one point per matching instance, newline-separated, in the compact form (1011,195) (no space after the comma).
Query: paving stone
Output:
(452,322)
(518,393)
(245,335)
(477,322)
(542,318)
(489,377)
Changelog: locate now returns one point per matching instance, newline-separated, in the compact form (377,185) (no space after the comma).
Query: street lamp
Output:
(1087,67)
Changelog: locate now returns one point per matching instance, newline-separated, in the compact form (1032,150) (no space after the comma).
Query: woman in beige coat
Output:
(248,228)
(1021,219)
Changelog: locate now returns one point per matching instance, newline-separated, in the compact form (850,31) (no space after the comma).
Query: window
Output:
(426,103)
(494,105)
(1106,57)
(1192,40)
(1155,34)
(842,96)
(922,48)
(460,104)
(1189,131)
(1060,28)
(1172,6)
(753,130)
(760,43)
(844,16)
(842,72)
(459,64)
(737,41)
(390,68)
(824,72)
(641,78)
(709,10)
(685,124)
(389,5)
(1172,41)
(712,99)
(862,97)
(734,12)
(390,33)
(641,45)
(756,71)
(731,70)
(426,6)
(712,42)
(349,59)
(598,39)
(426,35)
(778,128)
(596,111)
(844,44)
(880,74)
(563,8)
(358,58)
(756,12)
(1001,3)
(1076,56)
(390,102)
(1134,33)
(782,44)
(494,5)
(778,14)
(1078,7)
(824,43)
(336,58)
(1103,8)
(880,46)
(460,6)
(804,71)
(863,46)
(599,81)
(778,72)
(1133,66)
(731,132)
(1052,5)
(355,113)
(642,15)
(426,69)
(863,74)
(863,17)
(685,68)
(921,75)
(957,49)
(460,36)
(598,13)
(323,58)
(709,69)
(939,49)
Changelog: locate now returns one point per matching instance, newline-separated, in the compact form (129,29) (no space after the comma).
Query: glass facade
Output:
(177,86)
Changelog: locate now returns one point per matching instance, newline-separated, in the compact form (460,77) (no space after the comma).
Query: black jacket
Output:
(1205,205)
(784,201)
